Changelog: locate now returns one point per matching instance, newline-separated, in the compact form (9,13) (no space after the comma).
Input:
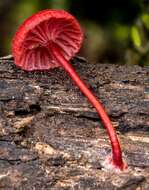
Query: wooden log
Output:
(51,137)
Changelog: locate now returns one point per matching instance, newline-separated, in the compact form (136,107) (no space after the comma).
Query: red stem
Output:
(116,150)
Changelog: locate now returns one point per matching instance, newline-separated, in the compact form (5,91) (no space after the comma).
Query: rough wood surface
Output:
(51,138)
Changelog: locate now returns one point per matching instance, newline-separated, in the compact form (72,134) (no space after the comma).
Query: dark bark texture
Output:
(51,137)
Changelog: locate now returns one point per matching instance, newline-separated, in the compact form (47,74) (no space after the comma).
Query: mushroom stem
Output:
(116,161)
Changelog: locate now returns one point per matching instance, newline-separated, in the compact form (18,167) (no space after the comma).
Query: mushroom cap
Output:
(30,46)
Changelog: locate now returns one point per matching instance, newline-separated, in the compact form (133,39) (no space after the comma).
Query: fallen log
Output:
(51,138)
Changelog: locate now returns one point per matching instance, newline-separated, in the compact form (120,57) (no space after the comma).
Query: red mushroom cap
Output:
(31,42)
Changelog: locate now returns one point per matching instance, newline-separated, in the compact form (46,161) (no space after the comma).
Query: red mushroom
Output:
(50,39)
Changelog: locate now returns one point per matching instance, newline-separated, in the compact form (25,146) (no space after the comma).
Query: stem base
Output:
(110,164)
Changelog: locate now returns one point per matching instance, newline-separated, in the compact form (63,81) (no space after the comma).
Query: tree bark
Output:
(51,137)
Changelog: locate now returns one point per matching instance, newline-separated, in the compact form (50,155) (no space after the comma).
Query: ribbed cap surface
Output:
(30,45)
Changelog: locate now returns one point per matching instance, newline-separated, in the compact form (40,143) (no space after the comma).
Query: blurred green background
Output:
(116,31)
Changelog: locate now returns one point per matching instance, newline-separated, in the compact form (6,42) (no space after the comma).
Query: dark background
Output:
(116,31)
